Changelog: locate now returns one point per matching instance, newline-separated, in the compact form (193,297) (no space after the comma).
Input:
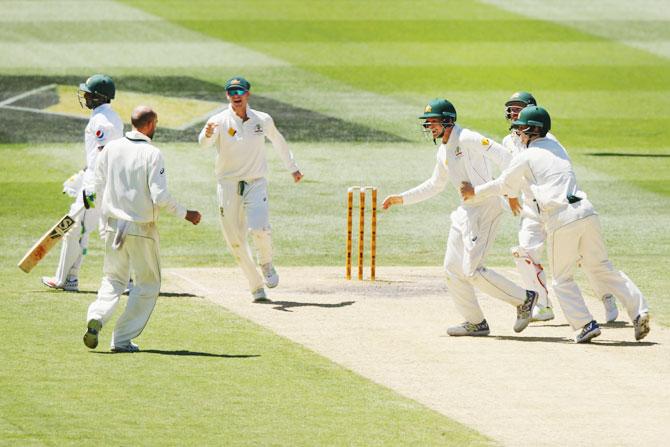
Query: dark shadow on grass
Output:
(182,353)
(198,354)
(286,306)
(162,294)
(25,123)
(549,325)
(627,154)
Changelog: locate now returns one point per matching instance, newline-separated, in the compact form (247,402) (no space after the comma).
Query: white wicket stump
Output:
(361,229)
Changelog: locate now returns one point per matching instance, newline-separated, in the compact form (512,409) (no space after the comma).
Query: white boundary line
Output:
(26,94)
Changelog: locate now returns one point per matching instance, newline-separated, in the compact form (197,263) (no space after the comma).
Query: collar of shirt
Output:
(235,115)
(101,108)
(134,135)
(537,142)
(452,142)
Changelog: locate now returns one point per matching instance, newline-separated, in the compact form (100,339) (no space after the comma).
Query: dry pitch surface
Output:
(535,388)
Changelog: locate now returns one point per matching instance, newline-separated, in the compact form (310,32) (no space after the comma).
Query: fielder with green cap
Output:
(467,156)
(528,254)
(573,230)
(238,134)
(104,126)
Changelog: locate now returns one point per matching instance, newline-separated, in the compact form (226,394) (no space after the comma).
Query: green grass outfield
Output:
(337,68)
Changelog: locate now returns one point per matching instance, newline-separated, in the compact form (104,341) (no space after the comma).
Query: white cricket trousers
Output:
(471,235)
(140,251)
(528,258)
(75,242)
(244,214)
(581,241)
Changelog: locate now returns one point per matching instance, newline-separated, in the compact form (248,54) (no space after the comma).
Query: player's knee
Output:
(533,254)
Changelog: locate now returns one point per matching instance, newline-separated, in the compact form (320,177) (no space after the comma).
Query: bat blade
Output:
(47,241)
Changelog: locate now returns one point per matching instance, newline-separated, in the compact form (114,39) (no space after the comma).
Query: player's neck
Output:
(241,112)
(446,134)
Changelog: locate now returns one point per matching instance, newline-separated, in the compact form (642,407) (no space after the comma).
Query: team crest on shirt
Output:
(258,130)
(99,134)
(459,152)
(231,132)
(485,142)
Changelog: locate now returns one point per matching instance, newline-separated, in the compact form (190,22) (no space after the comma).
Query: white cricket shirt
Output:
(240,145)
(546,167)
(103,126)
(131,176)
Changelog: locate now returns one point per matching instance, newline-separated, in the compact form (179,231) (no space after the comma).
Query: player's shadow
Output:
(617,324)
(286,306)
(183,353)
(198,354)
(627,154)
(602,342)
(162,294)
(549,325)
(530,339)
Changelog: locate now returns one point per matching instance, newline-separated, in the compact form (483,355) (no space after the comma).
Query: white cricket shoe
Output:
(542,314)
(523,311)
(130,347)
(642,327)
(71,284)
(270,276)
(589,331)
(611,311)
(259,296)
(469,329)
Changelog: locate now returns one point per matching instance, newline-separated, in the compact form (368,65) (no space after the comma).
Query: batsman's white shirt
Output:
(103,127)
(241,153)
(131,177)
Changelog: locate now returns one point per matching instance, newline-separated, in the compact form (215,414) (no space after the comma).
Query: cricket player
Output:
(465,155)
(104,126)
(573,230)
(239,134)
(528,253)
(131,179)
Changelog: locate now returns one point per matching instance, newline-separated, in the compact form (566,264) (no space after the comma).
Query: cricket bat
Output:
(46,242)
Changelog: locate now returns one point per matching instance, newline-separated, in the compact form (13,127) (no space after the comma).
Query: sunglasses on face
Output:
(236,92)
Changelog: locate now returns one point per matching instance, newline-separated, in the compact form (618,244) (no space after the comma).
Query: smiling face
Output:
(434,126)
(238,98)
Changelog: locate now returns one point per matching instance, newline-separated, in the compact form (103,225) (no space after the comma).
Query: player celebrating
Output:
(465,155)
(239,134)
(531,232)
(103,126)
(572,225)
(130,177)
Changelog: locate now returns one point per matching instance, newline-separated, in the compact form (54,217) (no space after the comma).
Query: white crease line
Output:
(206,291)
(202,118)
(26,94)
(28,109)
